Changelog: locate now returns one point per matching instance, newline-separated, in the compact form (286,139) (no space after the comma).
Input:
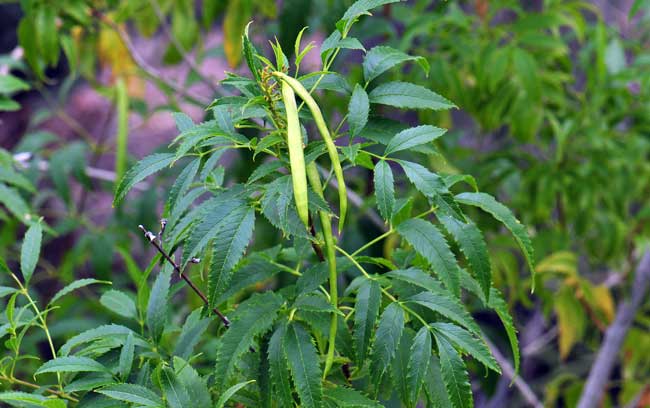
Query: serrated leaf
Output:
(454,374)
(144,168)
(195,386)
(190,335)
(418,364)
(10,84)
(183,122)
(105,331)
(228,248)
(278,367)
(250,54)
(158,305)
(120,303)
(135,394)
(471,243)
(126,357)
(358,9)
(21,398)
(30,250)
(447,306)
(181,185)
(345,397)
(175,393)
(314,302)
(382,58)
(358,110)
(399,366)
(365,316)
(304,365)
(464,340)
(389,332)
(230,392)
(412,137)
(429,242)
(384,189)
(11,199)
(417,277)
(251,319)
(434,386)
(500,212)
(498,304)
(71,364)
(408,96)
(74,286)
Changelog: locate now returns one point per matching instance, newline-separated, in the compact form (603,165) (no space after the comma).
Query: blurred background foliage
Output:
(553,119)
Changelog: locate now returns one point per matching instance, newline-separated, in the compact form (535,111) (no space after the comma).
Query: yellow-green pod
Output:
(300,90)
(296,154)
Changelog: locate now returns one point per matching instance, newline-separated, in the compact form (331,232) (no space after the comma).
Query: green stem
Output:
(330,253)
(24,291)
(373,242)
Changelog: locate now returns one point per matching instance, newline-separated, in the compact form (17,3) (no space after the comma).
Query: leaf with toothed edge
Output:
(418,364)
(304,364)
(144,168)
(365,316)
(454,374)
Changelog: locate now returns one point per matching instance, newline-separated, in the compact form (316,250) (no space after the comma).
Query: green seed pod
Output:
(324,131)
(296,154)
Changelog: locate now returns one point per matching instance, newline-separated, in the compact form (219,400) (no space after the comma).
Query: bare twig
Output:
(614,337)
(151,237)
(509,372)
(179,47)
(61,394)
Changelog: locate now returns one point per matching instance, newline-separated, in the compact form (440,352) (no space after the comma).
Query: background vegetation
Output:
(552,118)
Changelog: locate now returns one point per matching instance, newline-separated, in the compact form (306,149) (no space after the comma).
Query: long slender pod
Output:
(304,94)
(296,154)
(330,251)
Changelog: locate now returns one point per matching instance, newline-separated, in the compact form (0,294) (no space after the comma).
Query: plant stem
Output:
(25,292)
(61,394)
(326,225)
(373,242)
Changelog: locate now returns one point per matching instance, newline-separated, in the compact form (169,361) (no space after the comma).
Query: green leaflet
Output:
(431,244)
(158,306)
(418,364)
(71,365)
(365,316)
(181,185)
(358,110)
(183,122)
(408,96)
(250,54)
(126,357)
(230,392)
(30,251)
(399,366)
(471,243)
(447,306)
(412,137)
(314,302)
(15,204)
(175,394)
(500,212)
(101,332)
(345,397)
(434,386)
(251,319)
(80,283)
(144,168)
(133,393)
(389,332)
(501,308)
(228,248)
(454,374)
(22,397)
(278,367)
(384,189)
(190,334)
(196,386)
(382,58)
(277,208)
(213,216)
(358,9)
(305,368)
(419,278)
(120,303)
(468,343)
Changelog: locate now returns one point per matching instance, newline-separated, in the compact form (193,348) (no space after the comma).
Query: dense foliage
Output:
(319,241)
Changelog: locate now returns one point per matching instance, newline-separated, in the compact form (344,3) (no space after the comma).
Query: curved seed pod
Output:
(300,90)
(296,154)
(330,251)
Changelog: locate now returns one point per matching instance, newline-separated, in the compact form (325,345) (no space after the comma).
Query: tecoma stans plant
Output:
(309,321)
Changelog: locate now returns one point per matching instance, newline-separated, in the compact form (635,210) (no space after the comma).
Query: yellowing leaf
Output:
(237,15)
(603,301)
(114,55)
(563,262)
(571,320)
